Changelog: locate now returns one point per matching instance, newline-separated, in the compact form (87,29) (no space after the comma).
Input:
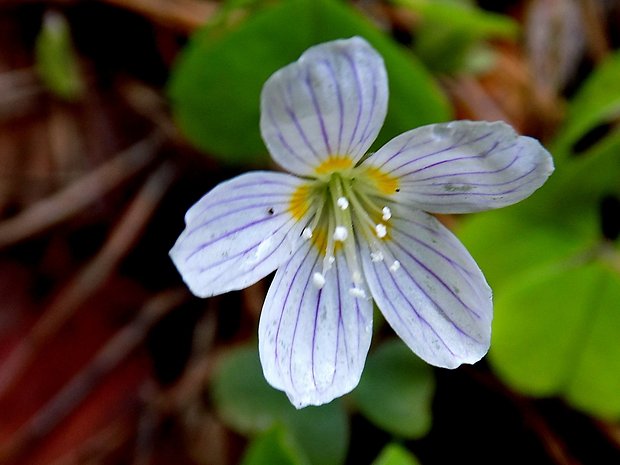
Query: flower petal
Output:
(329,103)
(238,233)
(437,301)
(313,342)
(464,166)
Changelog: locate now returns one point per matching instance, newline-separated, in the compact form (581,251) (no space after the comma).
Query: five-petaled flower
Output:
(343,230)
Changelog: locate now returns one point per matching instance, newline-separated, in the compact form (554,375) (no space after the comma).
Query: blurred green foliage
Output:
(274,447)
(451,34)
(396,390)
(215,86)
(56,61)
(395,393)
(394,454)
(250,406)
(555,276)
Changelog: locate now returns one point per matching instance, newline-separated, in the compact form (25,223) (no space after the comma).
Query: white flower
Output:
(340,230)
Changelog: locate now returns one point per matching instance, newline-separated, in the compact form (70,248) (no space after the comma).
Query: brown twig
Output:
(80,194)
(116,350)
(100,445)
(88,280)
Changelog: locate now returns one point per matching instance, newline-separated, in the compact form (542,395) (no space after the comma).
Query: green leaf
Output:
(273,448)
(249,405)
(556,330)
(508,242)
(394,454)
(216,83)
(596,103)
(56,61)
(396,390)
(460,16)
(448,38)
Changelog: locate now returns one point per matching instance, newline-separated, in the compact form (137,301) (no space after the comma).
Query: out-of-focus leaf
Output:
(216,84)
(57,63)
(394,454)
(556,333)
(555,41)
(448,38)
(396,391)
(506,244)
(273,448)
(596,104)
(459,15)
(249,405)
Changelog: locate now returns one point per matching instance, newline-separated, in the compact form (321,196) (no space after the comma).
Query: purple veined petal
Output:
(437,300)
(313,342)
(464,166)
(330,103)
(238,233)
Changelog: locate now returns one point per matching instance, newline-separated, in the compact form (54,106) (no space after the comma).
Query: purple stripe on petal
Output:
(282,139)
(366,134)
(237,212)
(314,331)
(228,234)
(441,282)
(319,114)
(286,308)
(300,130)
(288,224)
(426,245)
(450,160)
(466,173)
(360,100)
(412,308)
(341,116)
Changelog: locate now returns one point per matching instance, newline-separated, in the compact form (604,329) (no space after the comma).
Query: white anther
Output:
(340,233)
(376,256)
(387,213)
(331,259)
(318,280)
(343,203)
(357,277)
(306,233)
(381,230)
(357,292)
(395,266)
(328,262)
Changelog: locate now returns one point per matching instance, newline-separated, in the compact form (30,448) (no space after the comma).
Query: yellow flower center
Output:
(343,204)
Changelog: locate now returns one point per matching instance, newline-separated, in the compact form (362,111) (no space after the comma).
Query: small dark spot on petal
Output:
(398,189)
(270,211)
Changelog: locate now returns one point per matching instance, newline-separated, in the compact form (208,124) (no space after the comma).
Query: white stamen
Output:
(318,280)
(306,233)
(376,256)
(381,230)
(328,262)
(387,213)
(340,233)
(395,266)
(357,277)
(343,203)
(357,292)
